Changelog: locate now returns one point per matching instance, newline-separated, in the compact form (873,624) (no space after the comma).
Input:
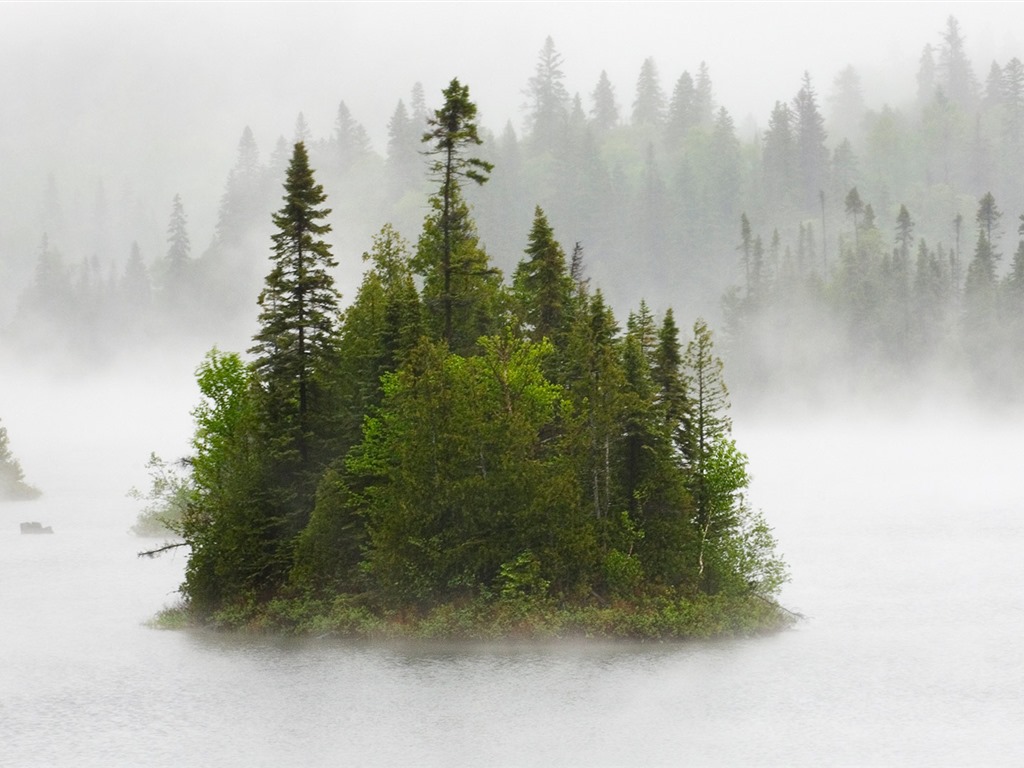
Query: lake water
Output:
(904,541)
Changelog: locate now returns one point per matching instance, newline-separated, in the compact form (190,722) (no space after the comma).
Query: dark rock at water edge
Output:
(35,528)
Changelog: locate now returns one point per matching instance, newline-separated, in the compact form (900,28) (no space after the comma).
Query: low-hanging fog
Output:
(873,346)
(112,112)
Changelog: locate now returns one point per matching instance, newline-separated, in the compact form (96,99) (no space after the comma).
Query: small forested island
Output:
(453,455)
(12,479)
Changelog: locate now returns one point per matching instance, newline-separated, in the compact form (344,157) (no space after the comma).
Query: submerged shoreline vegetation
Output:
(457,455)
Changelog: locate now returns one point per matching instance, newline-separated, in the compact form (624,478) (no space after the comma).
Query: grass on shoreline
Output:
(661,618)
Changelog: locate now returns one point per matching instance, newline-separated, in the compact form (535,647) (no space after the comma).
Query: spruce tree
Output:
(810,140)
(543,283)
(605,112)
(459,285)
(681,110)
(649,107)
(548,99)
(295,345)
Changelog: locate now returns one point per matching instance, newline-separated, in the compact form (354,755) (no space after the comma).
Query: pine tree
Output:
(403,159)
(703,98)
(548,99)
(1013,115)
(810,141)
(987,217)
(295,345)
(904,232)
(956,74)
(734,548)
(682,115)
(350,140)
(846,104)
(178,246)
(543,284)
(243,195)
(459,283)
(926,76)
(605,112)
(649,106)
(779,158)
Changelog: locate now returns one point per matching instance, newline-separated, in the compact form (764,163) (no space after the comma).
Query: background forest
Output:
(838,249)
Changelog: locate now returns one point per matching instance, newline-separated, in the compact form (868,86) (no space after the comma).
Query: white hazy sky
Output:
(161,91)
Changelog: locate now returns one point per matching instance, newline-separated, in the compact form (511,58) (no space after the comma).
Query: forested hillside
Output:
(869,247)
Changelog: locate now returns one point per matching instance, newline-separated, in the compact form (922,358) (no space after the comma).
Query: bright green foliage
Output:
(378,329)
(232,541)
(167,500)
(716,470)
(411,456)
(463,481)
(735,549)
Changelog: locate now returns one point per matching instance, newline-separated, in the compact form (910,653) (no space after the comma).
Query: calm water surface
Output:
(905,548)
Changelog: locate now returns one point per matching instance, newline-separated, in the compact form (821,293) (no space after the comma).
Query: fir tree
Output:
(458,279)
(649,106)
(295,345)
(605,112)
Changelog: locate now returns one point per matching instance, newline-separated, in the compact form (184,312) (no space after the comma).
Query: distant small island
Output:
(12,480)
(455,456)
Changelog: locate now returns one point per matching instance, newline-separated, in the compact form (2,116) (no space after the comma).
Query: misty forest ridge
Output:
(868,249)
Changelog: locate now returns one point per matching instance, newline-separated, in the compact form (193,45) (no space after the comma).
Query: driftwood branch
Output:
(164,548)
(776,604)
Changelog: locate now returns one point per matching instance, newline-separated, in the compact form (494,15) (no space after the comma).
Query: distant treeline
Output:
(655,190)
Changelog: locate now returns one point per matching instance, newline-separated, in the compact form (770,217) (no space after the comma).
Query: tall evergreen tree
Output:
(716,469)
(703,97)
(548,99)
(605,112)
(178,249)
(954,68)
(350,140)
(987,217)
(780,160)
(241,204)
(458,280)
(682,116)
(295,345)
(543,284)
(649,106)
(926,76)
(810,140)
(403,158)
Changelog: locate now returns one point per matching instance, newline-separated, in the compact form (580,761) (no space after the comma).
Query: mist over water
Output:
(896,502)
(903,535)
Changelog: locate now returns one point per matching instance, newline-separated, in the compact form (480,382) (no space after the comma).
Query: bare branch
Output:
(164,548)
